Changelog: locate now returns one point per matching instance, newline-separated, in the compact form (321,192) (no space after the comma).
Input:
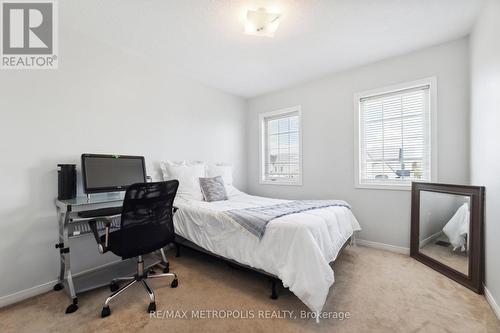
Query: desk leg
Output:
(74,305)
(60,220)
(65,272)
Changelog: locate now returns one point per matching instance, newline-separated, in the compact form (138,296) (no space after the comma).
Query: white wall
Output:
(436,209)
(100,100)
(328,124)
(485,131)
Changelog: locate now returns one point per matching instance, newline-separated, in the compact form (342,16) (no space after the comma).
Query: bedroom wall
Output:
(100,100)
(436,209)
(485,135)
(328,124)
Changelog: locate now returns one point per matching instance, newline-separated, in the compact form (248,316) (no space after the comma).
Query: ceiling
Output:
(204,39)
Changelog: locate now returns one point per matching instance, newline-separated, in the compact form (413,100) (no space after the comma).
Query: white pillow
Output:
(188,175)
(224,170)
(164,170)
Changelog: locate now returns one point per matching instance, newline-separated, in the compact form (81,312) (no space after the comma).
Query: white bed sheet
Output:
(297,248)
(457,228)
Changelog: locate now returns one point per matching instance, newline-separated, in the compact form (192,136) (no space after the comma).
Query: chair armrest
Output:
(107,220)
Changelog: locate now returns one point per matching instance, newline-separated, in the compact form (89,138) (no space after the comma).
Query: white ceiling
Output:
(204,38)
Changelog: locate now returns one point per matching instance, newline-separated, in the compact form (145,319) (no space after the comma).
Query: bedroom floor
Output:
(454,259)
(383,291)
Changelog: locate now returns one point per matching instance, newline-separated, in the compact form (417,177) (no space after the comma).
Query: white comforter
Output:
(297,248)
(457,228)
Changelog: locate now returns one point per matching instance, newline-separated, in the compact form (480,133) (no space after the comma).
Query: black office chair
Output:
(146,226)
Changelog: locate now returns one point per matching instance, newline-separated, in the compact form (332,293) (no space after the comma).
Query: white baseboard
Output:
(431,238)
(492,302)
(27,293)
(382,246)
(43,288)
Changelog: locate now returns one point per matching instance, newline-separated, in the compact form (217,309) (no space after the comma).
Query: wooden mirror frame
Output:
(474,280)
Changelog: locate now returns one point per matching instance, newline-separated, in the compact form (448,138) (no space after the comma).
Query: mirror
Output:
(444,229)
(447,231)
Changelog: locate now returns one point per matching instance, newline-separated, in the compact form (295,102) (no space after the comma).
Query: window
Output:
(395,136)
(281,161)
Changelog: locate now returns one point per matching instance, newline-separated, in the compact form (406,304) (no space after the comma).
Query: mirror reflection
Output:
(444,229)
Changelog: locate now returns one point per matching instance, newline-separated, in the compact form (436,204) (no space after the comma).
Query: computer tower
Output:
(66,181)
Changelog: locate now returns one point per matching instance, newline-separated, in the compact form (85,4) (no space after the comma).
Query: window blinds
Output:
(395,137)
(281,145)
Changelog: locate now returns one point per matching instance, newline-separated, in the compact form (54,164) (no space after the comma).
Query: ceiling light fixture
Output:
(262,23)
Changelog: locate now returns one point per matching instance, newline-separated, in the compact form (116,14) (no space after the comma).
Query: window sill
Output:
(388,187)
(277,182)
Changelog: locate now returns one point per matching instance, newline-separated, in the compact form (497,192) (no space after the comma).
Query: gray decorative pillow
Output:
(213,189)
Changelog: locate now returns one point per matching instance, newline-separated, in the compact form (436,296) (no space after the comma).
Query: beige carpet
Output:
(457,260)
(384,292)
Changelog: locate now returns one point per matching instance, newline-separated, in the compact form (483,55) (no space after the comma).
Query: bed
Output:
(296,249)
(457,228)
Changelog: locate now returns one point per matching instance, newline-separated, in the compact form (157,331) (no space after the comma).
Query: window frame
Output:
(432,83)
(263,149)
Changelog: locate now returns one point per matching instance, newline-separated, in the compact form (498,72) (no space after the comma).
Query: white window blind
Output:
(281,147)
(395,137)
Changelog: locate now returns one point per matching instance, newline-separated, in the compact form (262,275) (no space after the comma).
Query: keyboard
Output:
(108,211)
(76,229)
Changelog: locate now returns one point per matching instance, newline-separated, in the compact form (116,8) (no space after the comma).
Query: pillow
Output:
(165,164)
(223,170)
(187,174)
(213,189)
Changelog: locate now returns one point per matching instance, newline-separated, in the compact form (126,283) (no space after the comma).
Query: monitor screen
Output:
(108,173)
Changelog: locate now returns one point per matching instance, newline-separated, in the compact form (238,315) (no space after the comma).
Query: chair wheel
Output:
(174,283)
(58,286)
(106,311)
(71,308)
(114,287)
(152,307)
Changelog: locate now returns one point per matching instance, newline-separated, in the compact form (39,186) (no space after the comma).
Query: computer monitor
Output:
(111,173)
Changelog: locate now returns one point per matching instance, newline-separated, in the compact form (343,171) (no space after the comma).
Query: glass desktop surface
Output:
(94,199)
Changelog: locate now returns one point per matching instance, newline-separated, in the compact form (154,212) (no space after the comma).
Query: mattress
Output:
(297,248)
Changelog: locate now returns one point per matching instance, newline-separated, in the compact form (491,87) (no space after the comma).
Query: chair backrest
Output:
(147,218)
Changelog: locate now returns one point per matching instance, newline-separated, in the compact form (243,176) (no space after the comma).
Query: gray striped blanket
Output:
(256,219)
